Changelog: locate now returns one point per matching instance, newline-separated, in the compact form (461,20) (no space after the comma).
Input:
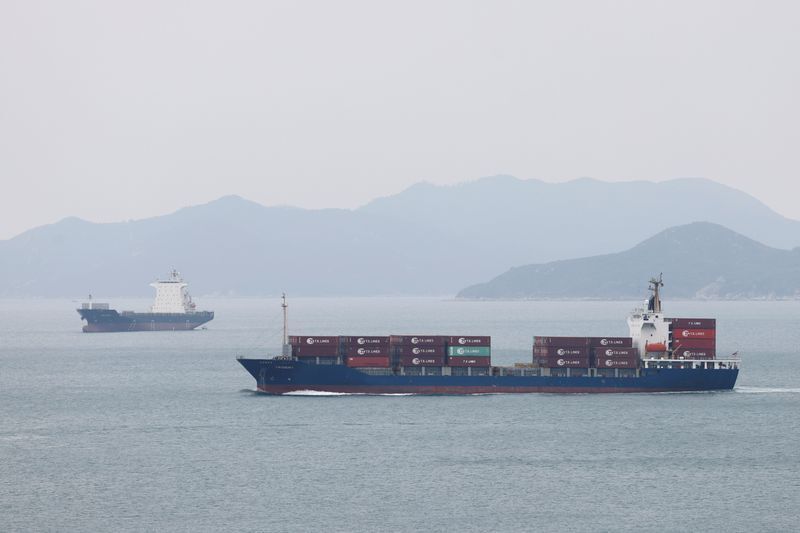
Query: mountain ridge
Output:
(426,240)
(701,260)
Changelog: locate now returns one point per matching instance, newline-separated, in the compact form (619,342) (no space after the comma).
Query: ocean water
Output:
(163,432)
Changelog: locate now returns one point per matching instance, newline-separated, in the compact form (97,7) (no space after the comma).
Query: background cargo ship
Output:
(660,355)
(172,310)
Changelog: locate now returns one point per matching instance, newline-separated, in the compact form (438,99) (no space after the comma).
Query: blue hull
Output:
(108,320)
(279,376)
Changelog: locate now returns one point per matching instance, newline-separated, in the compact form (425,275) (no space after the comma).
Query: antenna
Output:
(285,348)
(655,286)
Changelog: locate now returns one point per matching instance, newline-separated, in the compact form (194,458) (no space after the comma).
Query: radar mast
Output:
(654,304)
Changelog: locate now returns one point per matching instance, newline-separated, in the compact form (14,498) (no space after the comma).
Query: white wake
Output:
(315,393)
(766,390)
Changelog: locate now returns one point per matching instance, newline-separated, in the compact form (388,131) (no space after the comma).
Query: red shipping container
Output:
(365,341)
(620,342)
(617,352)
(708,344)
(373,362)
(469,361)
(419,351)
(694,353)
(564,342)
(419,340)
(553,351)
(422,360)
(314,350)
(694,334)
(469,341)
(563,362)
(296,340)
(617,362)
(366,351)
(694,323)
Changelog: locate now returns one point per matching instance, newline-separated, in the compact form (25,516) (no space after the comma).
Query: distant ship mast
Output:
(285,349)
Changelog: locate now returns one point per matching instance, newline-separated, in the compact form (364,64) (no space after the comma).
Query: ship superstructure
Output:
(661,354)
(173,309)
(172,295)
(648,326)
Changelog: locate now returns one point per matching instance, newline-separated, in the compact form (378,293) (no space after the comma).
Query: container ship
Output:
(172,310)
(660,354)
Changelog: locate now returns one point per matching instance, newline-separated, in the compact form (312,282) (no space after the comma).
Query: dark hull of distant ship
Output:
(109,320)
(280,376)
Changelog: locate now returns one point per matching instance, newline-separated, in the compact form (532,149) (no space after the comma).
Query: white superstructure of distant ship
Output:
(173,309)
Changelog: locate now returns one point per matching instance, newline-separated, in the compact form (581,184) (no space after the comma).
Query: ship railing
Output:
(715,364)
(277,357)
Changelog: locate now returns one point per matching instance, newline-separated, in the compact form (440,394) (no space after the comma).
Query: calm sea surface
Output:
(162,431)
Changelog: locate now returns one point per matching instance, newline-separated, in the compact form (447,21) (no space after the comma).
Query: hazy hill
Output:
(230,246)
(516,220)
(700,260)
(424,240)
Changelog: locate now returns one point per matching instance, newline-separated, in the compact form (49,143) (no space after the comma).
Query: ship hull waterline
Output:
(287,376)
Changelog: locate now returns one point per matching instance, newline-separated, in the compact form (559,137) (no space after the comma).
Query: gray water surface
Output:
(162,431)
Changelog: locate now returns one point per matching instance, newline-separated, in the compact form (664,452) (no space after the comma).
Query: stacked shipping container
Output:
(310,348)
(616,357)
(689,338)
(561,352)
(614,352)
(585,352)
(418,350)
(693,338)
(464,351)
(365,352)
(398,350)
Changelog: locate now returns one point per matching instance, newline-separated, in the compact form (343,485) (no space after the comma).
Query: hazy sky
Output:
(118,110)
